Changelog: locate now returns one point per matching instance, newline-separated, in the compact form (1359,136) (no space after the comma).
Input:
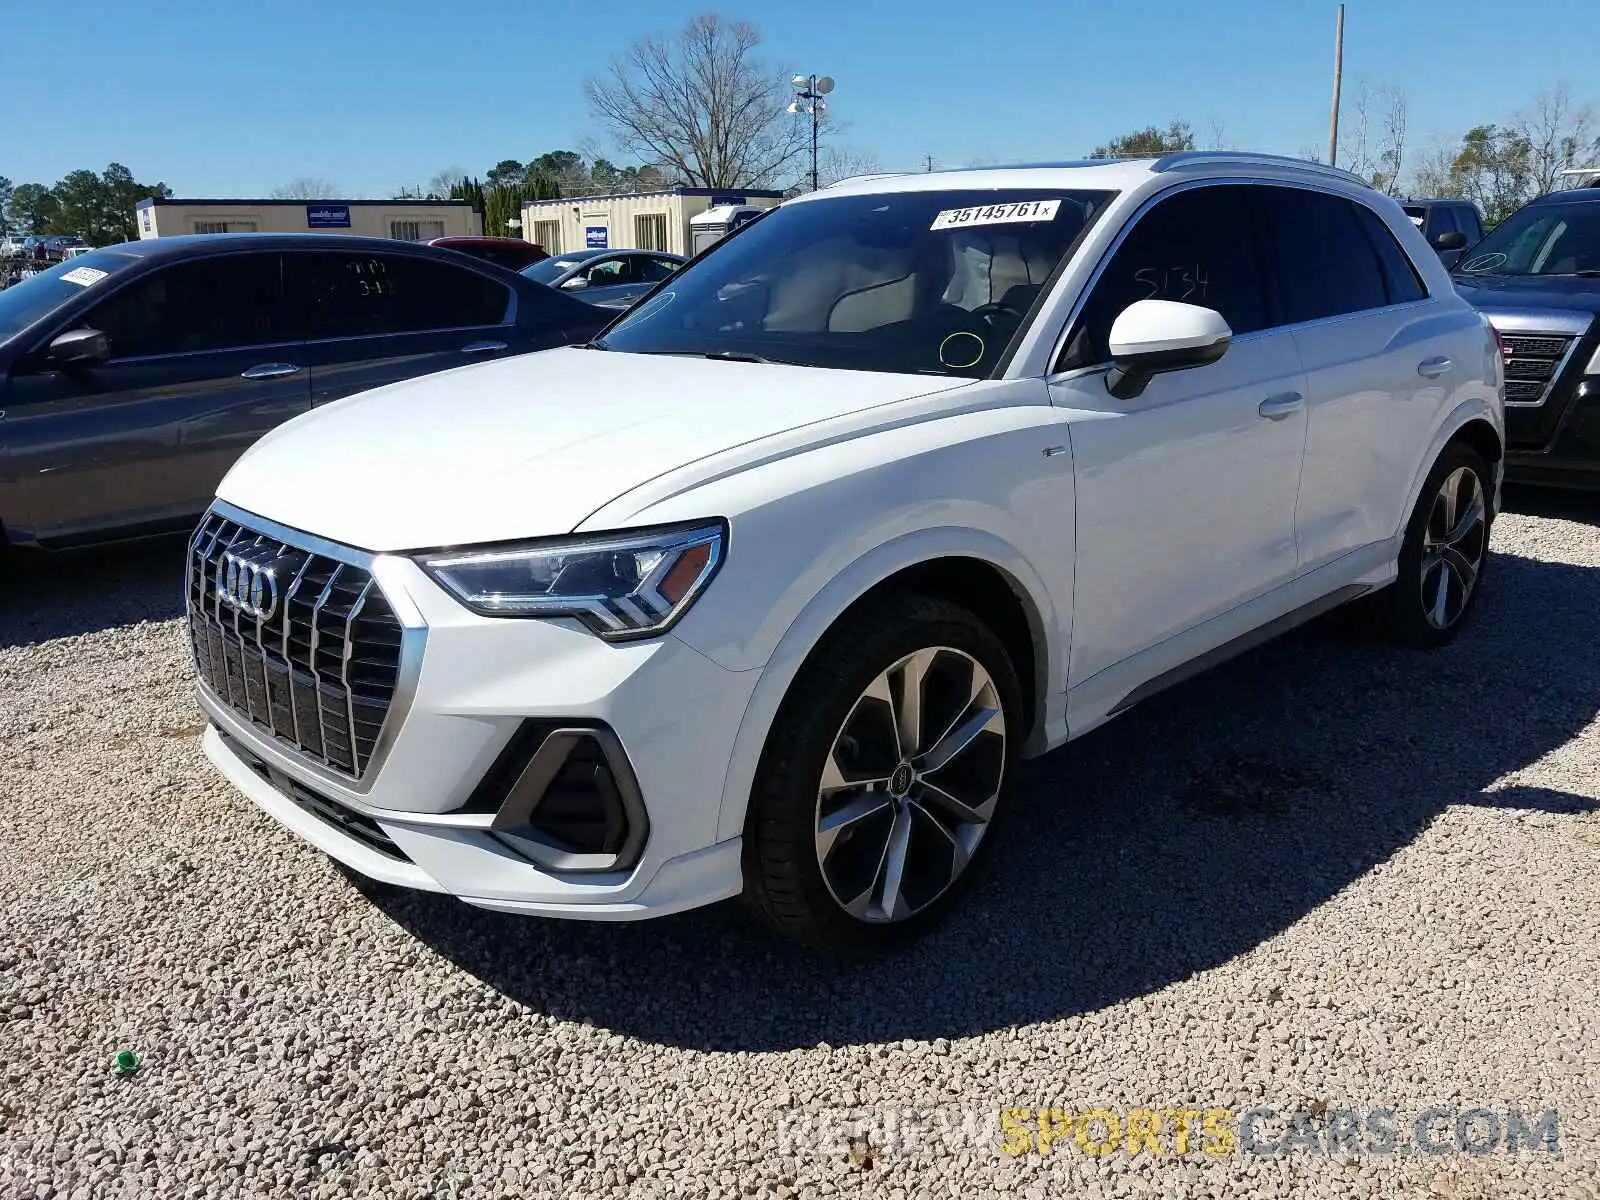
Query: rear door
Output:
(205,358)
(1377,362)
(374,317)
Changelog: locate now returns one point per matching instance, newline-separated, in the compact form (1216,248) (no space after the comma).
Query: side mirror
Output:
(576,284)
(1152,337)
(77,346)
(1450,241)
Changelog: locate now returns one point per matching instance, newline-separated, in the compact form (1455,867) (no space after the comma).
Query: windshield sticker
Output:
(83,276)
(1417,221)
(997,214)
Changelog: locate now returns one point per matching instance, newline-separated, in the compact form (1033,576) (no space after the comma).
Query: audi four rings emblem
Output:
(248,580)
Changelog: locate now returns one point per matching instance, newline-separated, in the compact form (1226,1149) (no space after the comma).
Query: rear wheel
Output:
(885,771)
(1444,554)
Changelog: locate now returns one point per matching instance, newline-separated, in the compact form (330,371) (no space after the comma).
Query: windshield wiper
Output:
(721,355)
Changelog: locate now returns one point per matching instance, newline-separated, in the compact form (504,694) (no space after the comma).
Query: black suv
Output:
(1449,225)
(1537,279)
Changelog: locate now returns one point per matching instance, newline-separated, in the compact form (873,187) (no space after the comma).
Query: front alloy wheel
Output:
(910,784)
(889,762)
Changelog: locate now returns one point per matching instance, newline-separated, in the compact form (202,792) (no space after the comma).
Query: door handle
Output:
(1432,368)
(1284,404)
(271,371)
(482,347)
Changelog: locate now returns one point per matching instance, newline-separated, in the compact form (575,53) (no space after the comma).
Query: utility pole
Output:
(809,91)
(1338,78)
(930,164)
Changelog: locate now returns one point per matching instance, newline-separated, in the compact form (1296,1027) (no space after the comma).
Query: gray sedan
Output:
(608,278)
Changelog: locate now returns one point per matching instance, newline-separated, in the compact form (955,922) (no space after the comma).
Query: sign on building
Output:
(594,237)
(328,216)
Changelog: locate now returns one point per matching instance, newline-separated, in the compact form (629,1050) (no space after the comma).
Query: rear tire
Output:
(1444,554)
(889,761)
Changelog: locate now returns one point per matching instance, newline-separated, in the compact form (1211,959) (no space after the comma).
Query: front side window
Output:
(1542,239)
(1326,264)
(932,282)
(226,302)
(365,295)
(1197,247)
(652,270)
(36,296)
(606,272)
(1467,219)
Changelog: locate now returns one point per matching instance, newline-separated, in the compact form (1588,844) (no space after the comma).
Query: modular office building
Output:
(632,221)
(407,220)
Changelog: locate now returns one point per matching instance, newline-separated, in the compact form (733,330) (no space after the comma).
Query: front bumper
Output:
(408,821)
(1571,455)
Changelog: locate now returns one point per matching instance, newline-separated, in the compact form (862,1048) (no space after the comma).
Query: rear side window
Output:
(364,295)
(231,301)
(1198,247)
(1325,263)
(1401,282)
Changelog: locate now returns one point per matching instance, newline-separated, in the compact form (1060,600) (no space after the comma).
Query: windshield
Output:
(934,282)
(550,269)
(23,303)
(1542,239)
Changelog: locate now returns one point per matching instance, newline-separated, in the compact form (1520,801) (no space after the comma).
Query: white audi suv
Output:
(766,591)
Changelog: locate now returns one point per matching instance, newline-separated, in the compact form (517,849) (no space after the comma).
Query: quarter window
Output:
(1401,282)
(228,302)
(1326,265)
(1198,247)
(364,295)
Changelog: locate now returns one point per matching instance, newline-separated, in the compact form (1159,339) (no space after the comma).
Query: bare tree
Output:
(1559,135)
(703,105)
(1435,174)
(441,183)
(1217,136)
(841,162)
(306,188)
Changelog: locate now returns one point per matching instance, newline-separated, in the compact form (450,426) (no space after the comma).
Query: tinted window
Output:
(1401,282)
(1444,221)
(220,303)
(1467,219)
(608,271)
(1325,264)
(652,270)
(356,295)
(1199,247)
(923,282)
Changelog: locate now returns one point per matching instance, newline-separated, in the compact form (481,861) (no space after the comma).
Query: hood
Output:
(1573,293)
(529,446)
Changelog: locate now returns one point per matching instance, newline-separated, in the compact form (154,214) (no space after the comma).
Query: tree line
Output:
(100,208)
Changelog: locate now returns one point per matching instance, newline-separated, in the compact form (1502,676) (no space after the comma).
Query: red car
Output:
(510,253)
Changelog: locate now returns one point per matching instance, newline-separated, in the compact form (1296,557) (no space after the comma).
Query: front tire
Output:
(889,762)
(1444,554)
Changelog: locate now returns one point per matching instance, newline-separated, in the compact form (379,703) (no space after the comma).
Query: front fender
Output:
(1458,418)
(818,614)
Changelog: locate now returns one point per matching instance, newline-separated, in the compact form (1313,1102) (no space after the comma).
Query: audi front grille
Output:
(301,643)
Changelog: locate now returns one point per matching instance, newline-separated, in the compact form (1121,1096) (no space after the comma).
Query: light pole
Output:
(809,91)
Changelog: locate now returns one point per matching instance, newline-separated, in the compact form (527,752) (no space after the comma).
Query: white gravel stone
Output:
(1329,875)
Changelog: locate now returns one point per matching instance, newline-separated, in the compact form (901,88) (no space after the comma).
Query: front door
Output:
(1186,494)
(204,360)
(377,318)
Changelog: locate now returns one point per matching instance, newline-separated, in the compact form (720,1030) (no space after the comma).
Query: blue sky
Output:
(220,98)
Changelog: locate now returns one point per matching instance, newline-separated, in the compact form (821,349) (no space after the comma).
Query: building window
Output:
(650,231)
(547,236)
(416,231)
(224,226)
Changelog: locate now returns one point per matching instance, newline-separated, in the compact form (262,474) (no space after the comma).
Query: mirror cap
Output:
(1162,326)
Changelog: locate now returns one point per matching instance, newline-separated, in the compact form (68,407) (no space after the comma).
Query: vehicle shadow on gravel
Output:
(1172,840)
(46,596)
(1582,507)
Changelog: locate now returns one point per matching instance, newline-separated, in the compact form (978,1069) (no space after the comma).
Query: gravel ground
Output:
(1325,876)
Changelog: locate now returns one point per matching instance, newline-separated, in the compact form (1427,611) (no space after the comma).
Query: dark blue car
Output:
(133,376)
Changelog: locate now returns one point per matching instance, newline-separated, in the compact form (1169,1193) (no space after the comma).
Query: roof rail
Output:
(1210,158)
(863,178)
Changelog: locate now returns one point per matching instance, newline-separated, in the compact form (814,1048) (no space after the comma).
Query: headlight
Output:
(625,585)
